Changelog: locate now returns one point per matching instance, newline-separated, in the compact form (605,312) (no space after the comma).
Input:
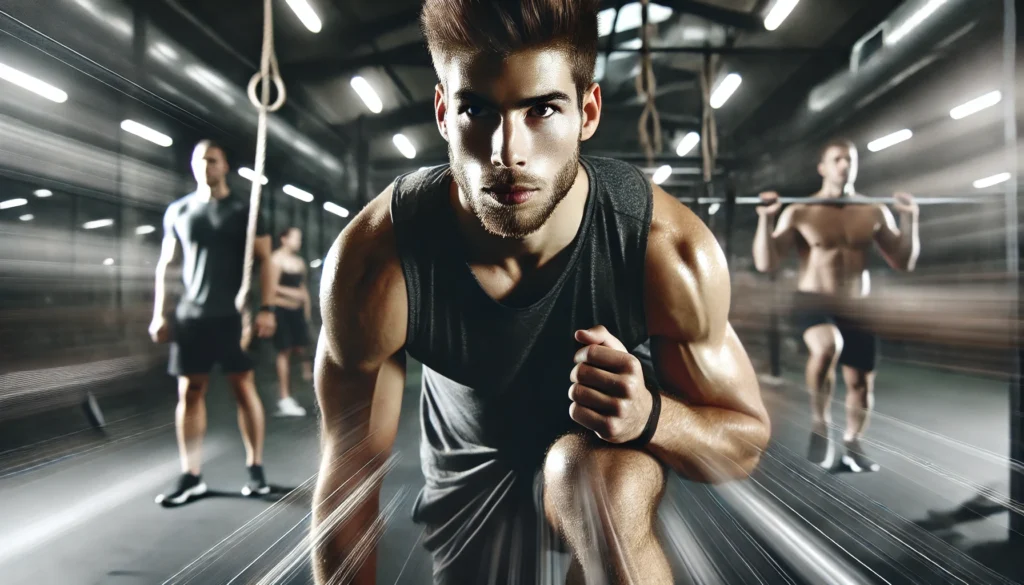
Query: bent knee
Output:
(192,389)
(630,480)
(824,342)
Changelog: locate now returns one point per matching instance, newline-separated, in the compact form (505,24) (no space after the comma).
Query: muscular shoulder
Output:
(687,291)
(363,290)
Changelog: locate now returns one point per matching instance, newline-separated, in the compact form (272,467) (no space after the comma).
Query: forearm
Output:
(268,283)
(160,291)
(708,444)
(766,257)
(910,241)
(343,515)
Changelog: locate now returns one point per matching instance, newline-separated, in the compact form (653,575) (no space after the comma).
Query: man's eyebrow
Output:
(553,96)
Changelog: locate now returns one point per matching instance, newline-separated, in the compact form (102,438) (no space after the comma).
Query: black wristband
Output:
(652,422)
(267,308)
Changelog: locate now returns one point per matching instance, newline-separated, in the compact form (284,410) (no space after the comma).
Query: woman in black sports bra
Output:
(292,305)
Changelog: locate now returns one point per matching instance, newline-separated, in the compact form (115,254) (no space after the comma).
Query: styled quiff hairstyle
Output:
(454,27)
(837,143)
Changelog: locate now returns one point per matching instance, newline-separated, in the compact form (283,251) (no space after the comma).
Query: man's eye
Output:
(473,111)
(542,111)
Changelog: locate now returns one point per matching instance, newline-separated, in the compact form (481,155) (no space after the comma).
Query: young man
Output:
(209,227)
(520,275)
(833,243)
(292,305)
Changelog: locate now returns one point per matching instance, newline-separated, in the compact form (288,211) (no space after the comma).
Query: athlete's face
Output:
(293,240)
(209,165)
(514,127)
(838,166)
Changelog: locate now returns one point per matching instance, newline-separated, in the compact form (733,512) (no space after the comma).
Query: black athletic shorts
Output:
(860,346)
(292,330)
(200,343)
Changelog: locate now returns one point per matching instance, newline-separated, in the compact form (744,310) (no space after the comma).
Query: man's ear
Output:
(440,111)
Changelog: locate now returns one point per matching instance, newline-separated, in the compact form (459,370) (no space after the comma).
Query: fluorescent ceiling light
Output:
(890,140)
(725,89)
(108,262)
(630,17)
(98,223)
(991,181)
(404,146)
(777,15)
(37,86)
(912,22)
(335,209)
(976,105)
(27,217)
(298,193)
(713,209)
(687,144)
(661,174)
(250,175)
(157,138)
(316,263)
(163,52)
(367,94)
(306,14)
(42,193)
(145,229)
(13,203)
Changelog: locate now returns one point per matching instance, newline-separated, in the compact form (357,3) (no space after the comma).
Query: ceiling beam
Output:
(364,32)
(722,16)
(411,54)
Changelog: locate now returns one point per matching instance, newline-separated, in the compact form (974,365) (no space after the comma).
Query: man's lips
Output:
(511,194)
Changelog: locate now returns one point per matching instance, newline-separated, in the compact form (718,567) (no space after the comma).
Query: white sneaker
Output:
(289,407)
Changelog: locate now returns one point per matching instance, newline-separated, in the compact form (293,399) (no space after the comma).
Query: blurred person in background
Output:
(832,242)
(207,229)
(293,307)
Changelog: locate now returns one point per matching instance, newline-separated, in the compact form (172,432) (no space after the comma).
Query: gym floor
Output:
(78,506)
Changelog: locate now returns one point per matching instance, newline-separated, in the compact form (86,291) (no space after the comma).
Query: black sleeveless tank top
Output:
(495,377)
(291,279)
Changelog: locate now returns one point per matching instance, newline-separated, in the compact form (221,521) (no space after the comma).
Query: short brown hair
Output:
(835,142)
(504,26)
(208,144)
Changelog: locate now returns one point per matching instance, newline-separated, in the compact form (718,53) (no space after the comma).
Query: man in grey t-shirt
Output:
(211,324)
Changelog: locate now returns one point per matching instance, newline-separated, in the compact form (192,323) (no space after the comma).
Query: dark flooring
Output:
(76,505)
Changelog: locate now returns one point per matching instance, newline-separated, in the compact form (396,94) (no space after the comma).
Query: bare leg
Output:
(603,500)
(284,372)
(190,421)
(860,400)
(825,344)
(250,416)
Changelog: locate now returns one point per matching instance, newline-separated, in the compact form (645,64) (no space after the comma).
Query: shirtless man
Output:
(520,275)
(833,243)
(292,306)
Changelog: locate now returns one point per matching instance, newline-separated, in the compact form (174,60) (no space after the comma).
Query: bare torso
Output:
(833,243)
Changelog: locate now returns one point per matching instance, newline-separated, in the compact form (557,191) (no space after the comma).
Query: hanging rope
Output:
(645,89)
(268,73)
(709,128)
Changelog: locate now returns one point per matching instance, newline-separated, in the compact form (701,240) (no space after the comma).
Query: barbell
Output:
(981,199)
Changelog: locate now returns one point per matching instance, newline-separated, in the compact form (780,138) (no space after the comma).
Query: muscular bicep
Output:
(785,235)
(697,355)
(360,366)
(887,234)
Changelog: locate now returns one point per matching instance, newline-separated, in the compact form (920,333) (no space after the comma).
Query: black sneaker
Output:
(189,488)
(821,451)
(257,485)
(856,460)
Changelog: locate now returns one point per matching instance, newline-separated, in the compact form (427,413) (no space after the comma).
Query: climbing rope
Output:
(709,128)
(268,73)
(645,89)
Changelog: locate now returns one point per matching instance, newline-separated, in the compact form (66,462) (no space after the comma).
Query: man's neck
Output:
(833,191)
(536,249)
(219,191)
